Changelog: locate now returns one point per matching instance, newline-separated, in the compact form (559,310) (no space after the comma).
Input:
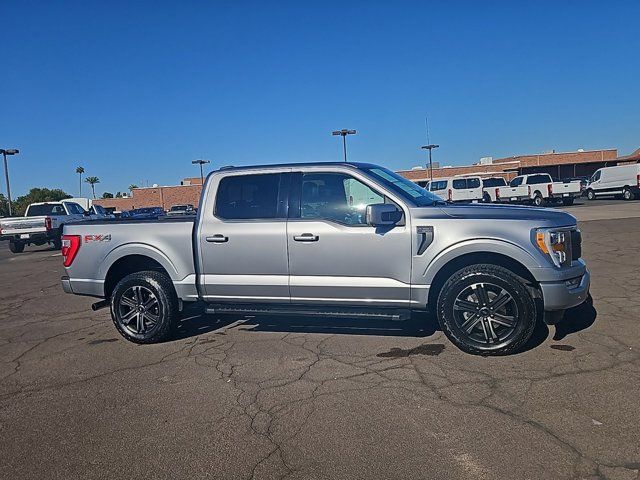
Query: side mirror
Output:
(380,214)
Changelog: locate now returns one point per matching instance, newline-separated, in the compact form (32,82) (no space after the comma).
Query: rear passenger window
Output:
(460,184)
(473,182)
(246,197)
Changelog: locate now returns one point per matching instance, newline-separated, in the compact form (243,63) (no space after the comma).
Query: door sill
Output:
(395,314)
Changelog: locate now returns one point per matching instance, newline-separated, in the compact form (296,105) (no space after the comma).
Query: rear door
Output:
(334,256)
(474,188)
(243,240)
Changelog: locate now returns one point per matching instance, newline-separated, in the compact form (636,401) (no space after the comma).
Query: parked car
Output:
(538,189)
(490,187)
(94,211)
(41,224)
(146,212)
(622,180)
(181,210)
(334,239)
(457,189)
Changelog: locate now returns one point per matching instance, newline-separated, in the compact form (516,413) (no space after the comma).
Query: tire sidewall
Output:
(627,195)
(591,195)
(158,284)
(537,200)
(502,277)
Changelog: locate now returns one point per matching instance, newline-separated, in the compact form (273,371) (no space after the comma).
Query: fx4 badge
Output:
(97,238)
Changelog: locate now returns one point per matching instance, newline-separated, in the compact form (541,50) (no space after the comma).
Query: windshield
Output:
(403,187)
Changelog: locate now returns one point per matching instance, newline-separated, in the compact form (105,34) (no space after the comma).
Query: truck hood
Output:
(542,217)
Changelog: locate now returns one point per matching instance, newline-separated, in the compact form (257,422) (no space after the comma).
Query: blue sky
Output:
(133,91)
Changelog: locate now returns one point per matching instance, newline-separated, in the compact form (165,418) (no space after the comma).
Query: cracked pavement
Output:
(300,398)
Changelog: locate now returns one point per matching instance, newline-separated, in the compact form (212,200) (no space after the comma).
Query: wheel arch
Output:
(508,258)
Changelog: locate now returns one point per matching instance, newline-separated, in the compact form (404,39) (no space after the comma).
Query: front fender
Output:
(479,245)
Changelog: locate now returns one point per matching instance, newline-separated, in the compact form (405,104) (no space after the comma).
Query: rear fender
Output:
(137,249)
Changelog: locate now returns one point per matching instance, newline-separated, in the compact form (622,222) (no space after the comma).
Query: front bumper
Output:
(561,295)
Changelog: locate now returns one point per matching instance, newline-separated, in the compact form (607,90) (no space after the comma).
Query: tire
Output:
(154,292)
(16,247)
(488,333)
(486,198)
(591,195)
(57,243)
(538,201)
(567,202)
(627,194)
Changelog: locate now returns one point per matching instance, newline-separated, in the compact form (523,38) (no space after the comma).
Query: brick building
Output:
(165,197)
(556,164)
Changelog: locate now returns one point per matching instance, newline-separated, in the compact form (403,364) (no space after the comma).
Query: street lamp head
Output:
(429,147)
(344,132)
(9,151)
(200,162)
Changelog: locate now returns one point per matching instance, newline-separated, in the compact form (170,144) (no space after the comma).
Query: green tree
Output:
(118,194)
(36,195)
(132,186)
(80,171)
(92,181)
(107,195)
(4,206)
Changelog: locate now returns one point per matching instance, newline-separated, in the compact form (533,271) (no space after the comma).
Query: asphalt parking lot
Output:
(300,398)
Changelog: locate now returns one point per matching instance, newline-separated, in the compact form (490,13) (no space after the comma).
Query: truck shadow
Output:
(422,325)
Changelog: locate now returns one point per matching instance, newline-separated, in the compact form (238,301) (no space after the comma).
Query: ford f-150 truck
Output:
(334,239)
(41,224)
(538,188)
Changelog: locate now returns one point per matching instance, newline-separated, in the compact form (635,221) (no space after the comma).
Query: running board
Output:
(381,314)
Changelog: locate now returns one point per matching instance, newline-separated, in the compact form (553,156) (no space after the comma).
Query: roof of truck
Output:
(304,164)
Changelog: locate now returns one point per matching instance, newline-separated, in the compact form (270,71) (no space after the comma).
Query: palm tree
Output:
(80,171)
(132,186)
(92,181)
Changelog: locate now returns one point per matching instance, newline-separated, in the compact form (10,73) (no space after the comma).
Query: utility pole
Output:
(9,151)
(201,163)
(343,133)
(430,147)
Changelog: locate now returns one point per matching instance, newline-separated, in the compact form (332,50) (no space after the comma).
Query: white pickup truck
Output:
(41,224)
(538,188)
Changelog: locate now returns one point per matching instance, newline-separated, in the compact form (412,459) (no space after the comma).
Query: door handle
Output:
(217,238)
(306,237)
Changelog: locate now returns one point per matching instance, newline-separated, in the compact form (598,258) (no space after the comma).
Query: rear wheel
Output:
(144,307)
(567,201)
(627,194)
(538,200)
(486,198)
(487,310)
(591,195)
(16,246)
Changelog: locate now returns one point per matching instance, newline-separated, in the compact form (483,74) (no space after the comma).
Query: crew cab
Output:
(538,188)
(41,224)
(331,240)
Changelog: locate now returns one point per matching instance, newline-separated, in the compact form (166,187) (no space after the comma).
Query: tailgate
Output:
(560,188)
(23,225)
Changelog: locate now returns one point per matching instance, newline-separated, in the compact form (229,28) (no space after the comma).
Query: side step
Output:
(323,311)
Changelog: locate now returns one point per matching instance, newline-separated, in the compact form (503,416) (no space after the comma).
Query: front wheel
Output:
(144,307)
(591,195)
(487,309)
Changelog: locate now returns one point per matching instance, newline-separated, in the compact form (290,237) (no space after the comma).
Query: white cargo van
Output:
(623,180)
(457,189)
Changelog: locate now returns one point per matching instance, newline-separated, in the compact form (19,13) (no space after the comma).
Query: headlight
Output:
(556,244)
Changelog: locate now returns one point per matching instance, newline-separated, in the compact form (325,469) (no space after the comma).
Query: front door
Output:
(334,256)
(243,242)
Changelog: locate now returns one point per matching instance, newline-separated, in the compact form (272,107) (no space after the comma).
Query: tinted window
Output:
(516,181)
(493,182)
(473,182)
(46,209)
(337,197)
(536,179)
(460,184)
(243,197)
(438,185)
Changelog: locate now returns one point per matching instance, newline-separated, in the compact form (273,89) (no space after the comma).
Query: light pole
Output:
(201,163)
(430,147)
(343,133)
(9,151)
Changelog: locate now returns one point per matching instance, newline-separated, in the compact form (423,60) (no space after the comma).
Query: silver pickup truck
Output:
(334,239)
(42,223)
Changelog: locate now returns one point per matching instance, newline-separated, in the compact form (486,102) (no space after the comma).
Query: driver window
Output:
(337,197)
